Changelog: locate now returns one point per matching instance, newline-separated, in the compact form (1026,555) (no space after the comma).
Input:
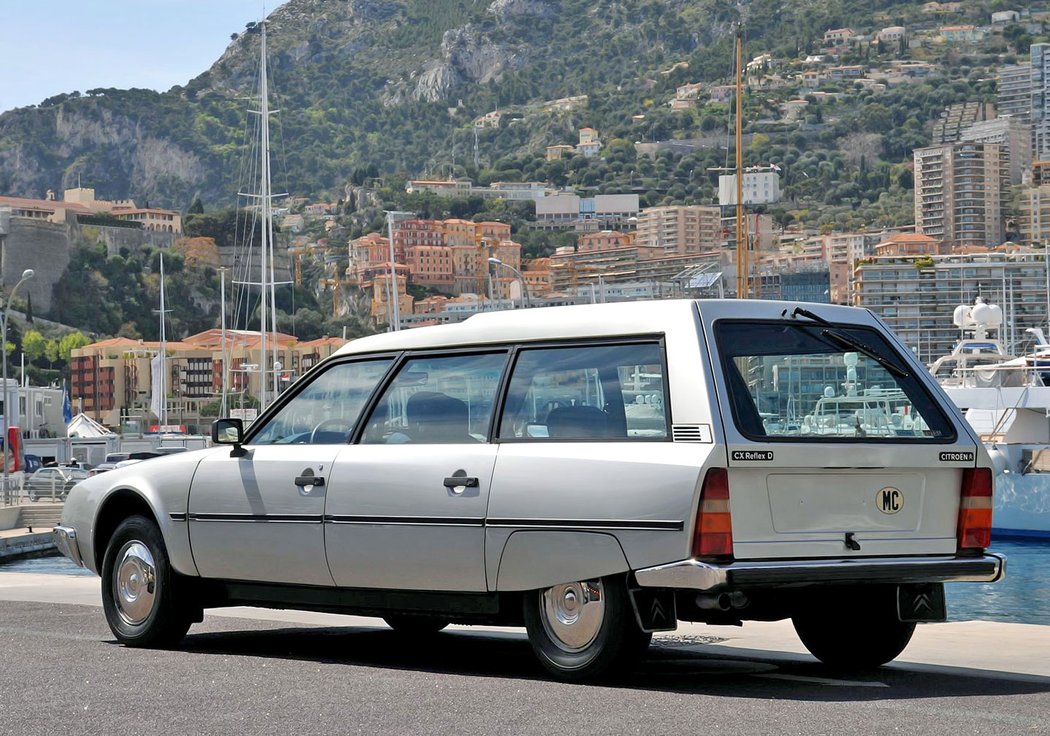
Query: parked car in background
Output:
(54,482)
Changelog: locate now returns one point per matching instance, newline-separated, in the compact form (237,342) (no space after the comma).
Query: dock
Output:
(25,530)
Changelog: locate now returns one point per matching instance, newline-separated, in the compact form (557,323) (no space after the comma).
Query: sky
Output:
(48,47)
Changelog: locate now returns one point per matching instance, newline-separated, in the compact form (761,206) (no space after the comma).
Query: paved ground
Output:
(248,671)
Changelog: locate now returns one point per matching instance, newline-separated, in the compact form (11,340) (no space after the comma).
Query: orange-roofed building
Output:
(908,244)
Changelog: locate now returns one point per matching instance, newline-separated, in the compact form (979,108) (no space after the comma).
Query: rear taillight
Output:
(713,533)
(975,509)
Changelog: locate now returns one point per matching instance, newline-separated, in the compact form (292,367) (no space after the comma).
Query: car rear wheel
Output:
(584,630)
(854,628)
(415,625)
(139,593)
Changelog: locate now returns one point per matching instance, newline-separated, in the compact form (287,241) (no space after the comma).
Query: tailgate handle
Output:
(851,542)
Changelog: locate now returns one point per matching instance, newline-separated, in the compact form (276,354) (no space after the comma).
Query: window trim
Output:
(440,352)
(656,339)
(725,365)
(308,378)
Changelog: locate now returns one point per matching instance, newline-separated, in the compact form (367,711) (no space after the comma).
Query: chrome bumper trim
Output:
(66,541)
(693,574)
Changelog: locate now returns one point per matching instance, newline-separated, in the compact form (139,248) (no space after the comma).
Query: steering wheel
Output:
(326,423)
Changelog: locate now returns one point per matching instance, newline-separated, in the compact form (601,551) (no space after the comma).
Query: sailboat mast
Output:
(163,352)
(225,358)
(742,266)
(267,214)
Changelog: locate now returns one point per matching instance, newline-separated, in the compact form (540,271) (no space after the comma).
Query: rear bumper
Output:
(693,574)
(66,542)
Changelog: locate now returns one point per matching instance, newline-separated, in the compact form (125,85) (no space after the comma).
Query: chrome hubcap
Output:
(136,582)
(573,614)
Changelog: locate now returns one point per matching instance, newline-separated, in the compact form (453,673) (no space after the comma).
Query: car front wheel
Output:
(138,587)
(584,630)
(854,628)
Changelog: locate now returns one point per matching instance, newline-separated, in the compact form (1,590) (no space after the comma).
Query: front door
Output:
(406,506)
(259,516)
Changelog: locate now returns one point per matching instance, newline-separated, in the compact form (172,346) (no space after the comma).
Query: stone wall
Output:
(45,247)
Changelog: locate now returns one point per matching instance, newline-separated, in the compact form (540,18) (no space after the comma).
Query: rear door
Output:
(837,443)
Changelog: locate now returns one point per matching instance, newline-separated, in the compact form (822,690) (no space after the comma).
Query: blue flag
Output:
(67,406)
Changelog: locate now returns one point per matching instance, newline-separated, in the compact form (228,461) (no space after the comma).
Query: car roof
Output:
(587,320)
(576,321)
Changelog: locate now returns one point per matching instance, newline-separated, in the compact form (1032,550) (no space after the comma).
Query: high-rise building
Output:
(1040,96)
(917,295)
(1014,96)
(681,229)
(959,193)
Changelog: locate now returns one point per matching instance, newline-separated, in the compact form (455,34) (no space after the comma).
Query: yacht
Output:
(1006,398)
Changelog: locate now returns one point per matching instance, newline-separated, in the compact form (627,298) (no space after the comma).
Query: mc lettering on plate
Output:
(889,500)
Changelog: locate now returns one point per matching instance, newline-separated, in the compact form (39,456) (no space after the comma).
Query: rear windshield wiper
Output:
(806,313)
(843,340)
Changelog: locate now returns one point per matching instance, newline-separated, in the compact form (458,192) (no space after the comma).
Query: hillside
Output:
(397,84)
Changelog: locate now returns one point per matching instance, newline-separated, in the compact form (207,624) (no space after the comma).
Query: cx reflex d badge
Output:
(889,500)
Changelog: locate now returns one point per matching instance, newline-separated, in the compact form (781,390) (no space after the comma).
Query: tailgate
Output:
(895,500)
(838,444)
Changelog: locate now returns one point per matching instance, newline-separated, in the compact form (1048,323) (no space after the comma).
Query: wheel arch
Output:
(125,502)
(118,506)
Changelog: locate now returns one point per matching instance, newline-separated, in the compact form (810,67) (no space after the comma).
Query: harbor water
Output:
(1022,597)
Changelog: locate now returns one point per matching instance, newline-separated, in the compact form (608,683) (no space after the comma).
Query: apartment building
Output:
(1014,91)
(583,213)
(1039,65)
(1035,214)
(111,379)
(917,295)
(960,193)
(1015,137)
(681,230)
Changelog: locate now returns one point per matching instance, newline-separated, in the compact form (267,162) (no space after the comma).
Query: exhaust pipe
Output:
(719,602)
(722,601)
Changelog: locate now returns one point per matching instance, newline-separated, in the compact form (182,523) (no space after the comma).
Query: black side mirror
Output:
(229,431)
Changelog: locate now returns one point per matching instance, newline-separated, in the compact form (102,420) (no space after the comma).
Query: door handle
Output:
(310,480)
(457,481)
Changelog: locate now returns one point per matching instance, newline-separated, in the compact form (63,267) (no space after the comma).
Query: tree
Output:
(34,345)
(51,352)
(71,342)
(197,208)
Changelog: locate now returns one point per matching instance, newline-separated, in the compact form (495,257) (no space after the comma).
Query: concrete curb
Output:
(22,545)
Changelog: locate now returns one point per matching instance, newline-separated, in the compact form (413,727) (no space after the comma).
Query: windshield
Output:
(790,380)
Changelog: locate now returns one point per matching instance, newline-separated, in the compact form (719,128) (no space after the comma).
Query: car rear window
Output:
(789,381)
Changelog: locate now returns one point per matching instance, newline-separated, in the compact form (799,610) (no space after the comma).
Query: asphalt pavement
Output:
(252,671)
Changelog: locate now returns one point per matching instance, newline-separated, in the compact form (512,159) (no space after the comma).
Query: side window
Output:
(326,411)
(445,400)
(594,392)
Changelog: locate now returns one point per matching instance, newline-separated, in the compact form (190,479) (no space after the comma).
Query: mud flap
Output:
(921,603)
(654,609)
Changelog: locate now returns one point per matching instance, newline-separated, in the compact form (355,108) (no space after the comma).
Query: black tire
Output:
(413,625)
(854,629)
(139,613)
(607,641)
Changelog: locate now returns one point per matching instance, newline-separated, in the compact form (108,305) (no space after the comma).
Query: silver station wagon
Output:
(594,473)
